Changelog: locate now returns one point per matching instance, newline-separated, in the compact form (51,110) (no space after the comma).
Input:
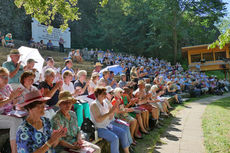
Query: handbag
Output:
(88,126)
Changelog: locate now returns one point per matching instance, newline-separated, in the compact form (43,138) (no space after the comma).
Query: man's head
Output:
(15,55)
(30,63)
(106,74)
(50,61)
(68,63)
(111,74)
(123,77)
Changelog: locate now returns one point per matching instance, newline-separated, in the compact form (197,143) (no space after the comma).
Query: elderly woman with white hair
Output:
(122,112)
(82,86)
(50,89)
(158,101)
(93,82)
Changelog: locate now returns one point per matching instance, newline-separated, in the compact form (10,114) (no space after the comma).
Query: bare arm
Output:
(14,72)
(98,116)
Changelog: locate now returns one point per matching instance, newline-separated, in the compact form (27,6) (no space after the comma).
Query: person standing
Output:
(14,67)
(61,44)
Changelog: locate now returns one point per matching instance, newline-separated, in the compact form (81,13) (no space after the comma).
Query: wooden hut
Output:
(207,59)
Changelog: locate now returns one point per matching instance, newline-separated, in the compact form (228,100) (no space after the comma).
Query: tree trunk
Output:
(174,44)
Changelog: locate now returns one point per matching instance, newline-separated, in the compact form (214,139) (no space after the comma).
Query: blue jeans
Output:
(126,128)
(113,134)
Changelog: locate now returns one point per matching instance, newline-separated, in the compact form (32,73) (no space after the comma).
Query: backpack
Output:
(89,129)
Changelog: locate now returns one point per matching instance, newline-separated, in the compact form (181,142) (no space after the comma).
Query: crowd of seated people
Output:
(122,110)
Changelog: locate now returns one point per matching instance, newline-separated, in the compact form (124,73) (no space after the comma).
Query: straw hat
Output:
(65,96)
(141,82)
(98,64)
(32,97)
(14,52)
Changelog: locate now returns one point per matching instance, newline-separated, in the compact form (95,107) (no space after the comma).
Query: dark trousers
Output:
(61,47)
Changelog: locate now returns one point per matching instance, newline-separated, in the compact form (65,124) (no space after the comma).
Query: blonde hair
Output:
(94,75)
(117,90)
(4,70)
(66,73)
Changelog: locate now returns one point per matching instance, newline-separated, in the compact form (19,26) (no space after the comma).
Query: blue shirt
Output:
(29,139)
(11,67)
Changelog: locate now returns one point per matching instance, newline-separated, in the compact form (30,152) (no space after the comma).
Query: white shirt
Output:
(69,87)
(103,110)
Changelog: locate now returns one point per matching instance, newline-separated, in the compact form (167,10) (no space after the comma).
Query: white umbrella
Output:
(30,53)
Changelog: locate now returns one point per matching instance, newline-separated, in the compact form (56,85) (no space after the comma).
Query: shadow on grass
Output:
(222,103)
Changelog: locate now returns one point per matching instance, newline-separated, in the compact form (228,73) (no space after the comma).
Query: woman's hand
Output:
(129,110)
(59,84)
(14,94)
(56,135)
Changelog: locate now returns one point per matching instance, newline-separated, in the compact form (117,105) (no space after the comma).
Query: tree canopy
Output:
(145,27)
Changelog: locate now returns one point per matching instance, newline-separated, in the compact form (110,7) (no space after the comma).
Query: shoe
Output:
(139,137)
(157,126)
(146,132)
(161,124)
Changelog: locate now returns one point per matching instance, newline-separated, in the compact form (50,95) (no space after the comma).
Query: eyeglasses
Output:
(5,77)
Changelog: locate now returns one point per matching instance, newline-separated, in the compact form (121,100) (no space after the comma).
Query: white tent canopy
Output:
(33,53)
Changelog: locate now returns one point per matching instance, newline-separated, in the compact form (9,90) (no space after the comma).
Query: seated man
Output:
(49,45)
(32,43)
(9,41)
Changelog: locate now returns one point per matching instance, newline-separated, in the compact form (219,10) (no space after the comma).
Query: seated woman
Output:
(129,103)
(101,115)
(26,80)
(7,101)
(3,42)
(68,119)
(122,112)
(158,102)
(78,56)
(78,107)
(93,82)
(143,102)
(170,90)
(50,89)
(9,41)
(35,133)
(144,112)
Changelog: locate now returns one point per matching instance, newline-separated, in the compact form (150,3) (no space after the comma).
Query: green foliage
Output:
(156,28)
(45,11)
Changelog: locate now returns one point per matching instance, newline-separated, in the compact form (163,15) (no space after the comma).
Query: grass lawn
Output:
(147,144)
(216,126)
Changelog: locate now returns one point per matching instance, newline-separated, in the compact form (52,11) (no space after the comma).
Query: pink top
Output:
(5,93)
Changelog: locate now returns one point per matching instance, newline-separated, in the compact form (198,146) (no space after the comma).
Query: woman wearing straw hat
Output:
(67,118)
(35,134)
(97,66)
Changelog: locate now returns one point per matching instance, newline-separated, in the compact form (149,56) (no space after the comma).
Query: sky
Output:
(228,6)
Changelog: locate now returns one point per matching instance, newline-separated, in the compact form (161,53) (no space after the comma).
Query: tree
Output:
(45,11)
(224,38)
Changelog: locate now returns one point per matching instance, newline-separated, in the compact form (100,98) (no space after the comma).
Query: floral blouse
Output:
(29,139)
(5,93)
(71,125)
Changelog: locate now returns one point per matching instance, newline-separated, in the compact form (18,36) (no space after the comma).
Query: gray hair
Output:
(80,73)
(48,72)
(147,87)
